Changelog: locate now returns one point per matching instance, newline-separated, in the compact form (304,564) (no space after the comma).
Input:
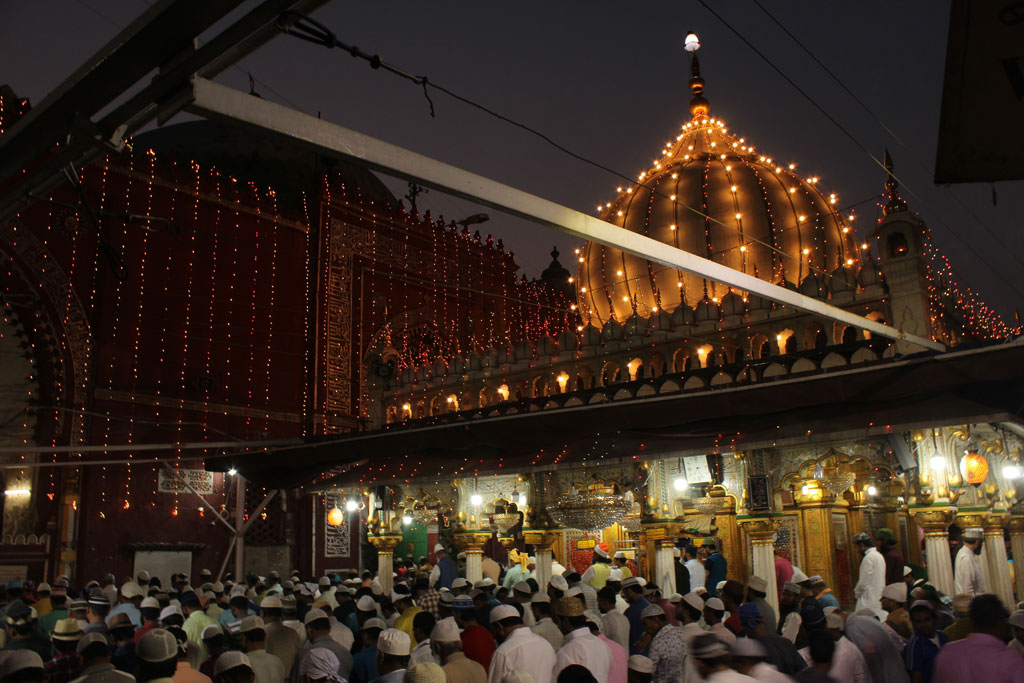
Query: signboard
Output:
(170,482)
(760,496)
(338,539)
(980,134)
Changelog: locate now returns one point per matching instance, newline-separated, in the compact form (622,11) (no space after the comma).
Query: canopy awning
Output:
(979,385)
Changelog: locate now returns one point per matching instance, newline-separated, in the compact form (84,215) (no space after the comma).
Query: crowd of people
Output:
(606,625)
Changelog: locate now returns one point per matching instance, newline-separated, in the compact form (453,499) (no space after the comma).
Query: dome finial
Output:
(698,105)
(895,203)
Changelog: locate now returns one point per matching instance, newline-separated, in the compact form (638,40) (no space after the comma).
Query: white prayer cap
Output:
(394,642)
(641,664)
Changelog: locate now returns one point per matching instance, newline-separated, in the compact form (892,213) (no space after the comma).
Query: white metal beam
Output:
(217,101)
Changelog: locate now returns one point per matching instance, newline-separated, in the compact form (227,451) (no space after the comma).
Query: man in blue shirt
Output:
(445,571)
(822,593)
(717,568)
(633,592)
(364,662)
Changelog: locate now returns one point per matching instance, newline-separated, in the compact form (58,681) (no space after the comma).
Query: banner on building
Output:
(171,482)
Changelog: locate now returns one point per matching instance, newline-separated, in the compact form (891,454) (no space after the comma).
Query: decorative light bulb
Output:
(476,499)
(351,505)
(407,519)
(1011,472)
(805,489)
(679,484)
(232,471)
(872,491)
(938,463)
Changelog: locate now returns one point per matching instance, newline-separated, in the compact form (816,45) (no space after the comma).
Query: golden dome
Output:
(713,195)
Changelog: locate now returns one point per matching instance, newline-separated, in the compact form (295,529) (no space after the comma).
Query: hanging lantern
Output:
(974,467)
(335,517)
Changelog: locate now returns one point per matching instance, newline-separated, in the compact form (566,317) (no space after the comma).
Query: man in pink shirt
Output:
(618,672)
(981,657)
(783,572)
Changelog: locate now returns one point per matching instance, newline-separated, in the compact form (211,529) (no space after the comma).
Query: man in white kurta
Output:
(580,646)
(520,649)
(871,581)
(967,571)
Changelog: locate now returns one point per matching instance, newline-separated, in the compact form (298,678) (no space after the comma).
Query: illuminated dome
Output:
(714,195)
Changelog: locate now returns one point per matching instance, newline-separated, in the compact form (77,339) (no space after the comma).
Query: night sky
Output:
(608,81)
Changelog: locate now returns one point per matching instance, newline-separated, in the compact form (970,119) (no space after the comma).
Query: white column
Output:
(998,567)
(385,568)
(474,565)
(542,573)
(763,551)
(940,564)
(665,571)
(1017,546)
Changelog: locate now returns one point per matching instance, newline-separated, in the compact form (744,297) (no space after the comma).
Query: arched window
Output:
(609,374)
(896,245)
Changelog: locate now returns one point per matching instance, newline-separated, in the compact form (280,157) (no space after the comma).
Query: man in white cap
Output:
(460,586)
(618,672)
(871,580)
(597,574)
(639,669)
(712,659)
(967,571)
(280,640)
(393,649)
(318,631)
(21,665)
(234,667)
(580,645)
(714,611)
(543,620)
(748,658)
(690,611)
(447,646)
(445,571)
(789,607)
(266,667)
(131,600)
(664,644)
(156,656)
(621,563)
(614,623)
(520,649)
(757,592)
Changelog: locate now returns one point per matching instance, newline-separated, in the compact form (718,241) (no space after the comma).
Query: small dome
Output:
(870,274)
(525,351)
(635,326)
(612,331)
(591,336)
(707,310)
(732,304)
(814,286)
(568,341)
(547,346)
(842,279)
(660,321)
(756,303)
(683,315)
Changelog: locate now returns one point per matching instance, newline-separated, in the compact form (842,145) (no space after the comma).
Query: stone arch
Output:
(785,340)
(815,336)
(437,405)
(680,357)
(758,342)
(484,398)
(391,415)
(635,369)
(656,364)
(610,373)
(584,379)
(539,387)
(421,410)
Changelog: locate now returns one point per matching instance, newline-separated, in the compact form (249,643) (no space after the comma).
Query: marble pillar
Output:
(997,563)
(1016,525)
(474,565)
(542,574)
(385,569)
(665,570)
(762,556)
(935,525)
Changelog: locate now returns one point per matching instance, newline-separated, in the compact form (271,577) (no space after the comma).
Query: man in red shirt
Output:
(477,642)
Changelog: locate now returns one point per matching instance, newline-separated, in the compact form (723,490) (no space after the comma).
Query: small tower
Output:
(558,278)
(900,238)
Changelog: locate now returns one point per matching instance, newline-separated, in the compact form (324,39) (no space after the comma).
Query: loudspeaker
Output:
(902,450)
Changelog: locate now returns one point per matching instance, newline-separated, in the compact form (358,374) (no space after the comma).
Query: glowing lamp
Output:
(351,505)
(974,467)
(232,471)
(679,484)
(938,463)
(872,491)
(805,489)
(1011,472)
(407,519)
(335,517)
(476,499)
(691,43)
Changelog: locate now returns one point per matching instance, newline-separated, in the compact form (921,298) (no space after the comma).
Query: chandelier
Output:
(588,511)
(506,515)
(707,506)
(837,481)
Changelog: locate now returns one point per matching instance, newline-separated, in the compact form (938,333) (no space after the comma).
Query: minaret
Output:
(900,241)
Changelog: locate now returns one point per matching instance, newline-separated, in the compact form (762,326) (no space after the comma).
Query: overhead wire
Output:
(814,103)
(878,119)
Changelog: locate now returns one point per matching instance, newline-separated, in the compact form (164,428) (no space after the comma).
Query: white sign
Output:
(171,482)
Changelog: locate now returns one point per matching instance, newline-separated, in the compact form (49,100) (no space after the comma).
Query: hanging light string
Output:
(312,31)
(860,145)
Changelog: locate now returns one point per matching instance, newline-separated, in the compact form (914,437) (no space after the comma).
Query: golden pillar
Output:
(819,537)
(935,524)
(542,541)
(730,540)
